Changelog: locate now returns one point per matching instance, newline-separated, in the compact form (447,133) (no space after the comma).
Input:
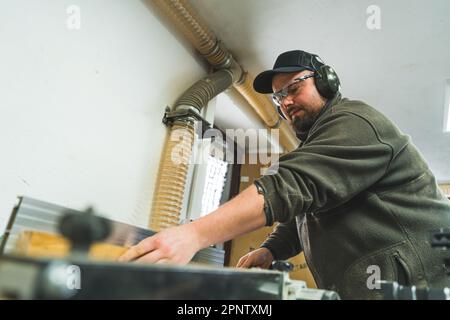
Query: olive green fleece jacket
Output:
(357,193)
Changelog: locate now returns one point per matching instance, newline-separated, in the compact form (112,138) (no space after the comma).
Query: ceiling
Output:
(400,69)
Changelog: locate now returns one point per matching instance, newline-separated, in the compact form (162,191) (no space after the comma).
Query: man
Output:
(355,195)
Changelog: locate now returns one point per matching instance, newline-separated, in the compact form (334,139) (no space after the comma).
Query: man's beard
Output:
(303,125)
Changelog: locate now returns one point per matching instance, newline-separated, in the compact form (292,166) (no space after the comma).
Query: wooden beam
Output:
(46,245)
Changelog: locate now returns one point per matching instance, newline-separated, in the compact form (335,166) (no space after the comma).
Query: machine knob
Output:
(83,229)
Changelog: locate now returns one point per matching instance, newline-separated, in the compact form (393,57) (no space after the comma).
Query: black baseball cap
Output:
(290,61)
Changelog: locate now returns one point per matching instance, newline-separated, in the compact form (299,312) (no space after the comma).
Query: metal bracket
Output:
(184,115)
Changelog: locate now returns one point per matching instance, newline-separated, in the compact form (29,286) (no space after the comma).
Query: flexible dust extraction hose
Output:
(173,170)
(169,192)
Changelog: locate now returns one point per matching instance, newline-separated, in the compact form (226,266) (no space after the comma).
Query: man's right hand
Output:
(175,245)
(260,258)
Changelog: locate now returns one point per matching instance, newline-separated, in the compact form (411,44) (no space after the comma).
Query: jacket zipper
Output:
(402,271)
(311,267)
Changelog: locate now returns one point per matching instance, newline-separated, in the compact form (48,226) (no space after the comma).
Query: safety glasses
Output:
(289,90)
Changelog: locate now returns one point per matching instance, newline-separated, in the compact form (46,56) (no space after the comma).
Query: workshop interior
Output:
(121,119)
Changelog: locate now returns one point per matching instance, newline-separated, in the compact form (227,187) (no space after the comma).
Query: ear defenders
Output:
(327,82)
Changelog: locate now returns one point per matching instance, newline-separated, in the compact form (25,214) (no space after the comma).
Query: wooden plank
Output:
(46,245)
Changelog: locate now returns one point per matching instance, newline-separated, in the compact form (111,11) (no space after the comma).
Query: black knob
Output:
(83,229)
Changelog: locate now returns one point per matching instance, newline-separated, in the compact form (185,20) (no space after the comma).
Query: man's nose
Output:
(287,101)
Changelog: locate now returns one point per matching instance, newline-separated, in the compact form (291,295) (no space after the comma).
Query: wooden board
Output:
(46,245)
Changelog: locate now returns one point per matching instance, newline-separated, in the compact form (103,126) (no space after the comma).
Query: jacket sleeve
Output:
(284,242)
(343,156)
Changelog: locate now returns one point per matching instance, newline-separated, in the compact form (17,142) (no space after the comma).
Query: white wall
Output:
(80,110)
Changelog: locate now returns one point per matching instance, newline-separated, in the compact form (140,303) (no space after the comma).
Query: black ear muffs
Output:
(327,82)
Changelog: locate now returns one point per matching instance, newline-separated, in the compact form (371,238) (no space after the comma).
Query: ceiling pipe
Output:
(184,17)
